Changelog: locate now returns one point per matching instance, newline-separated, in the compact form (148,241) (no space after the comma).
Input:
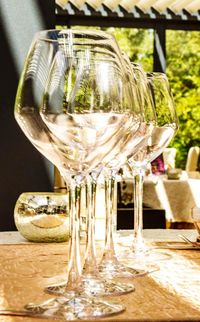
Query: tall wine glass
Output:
(109,264)
(162,133)
(99,60)
(75,105)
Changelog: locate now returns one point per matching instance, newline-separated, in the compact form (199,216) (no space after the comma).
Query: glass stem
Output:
(90,264)
(138,208)
(74,265)
(110,199)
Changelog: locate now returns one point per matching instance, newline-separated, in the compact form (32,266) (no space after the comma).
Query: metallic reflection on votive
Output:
(42,216)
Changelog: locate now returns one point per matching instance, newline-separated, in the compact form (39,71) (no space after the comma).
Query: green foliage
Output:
(137,44)
(183,71)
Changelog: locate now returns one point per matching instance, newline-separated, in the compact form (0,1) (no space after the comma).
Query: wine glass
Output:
(100,63)
(75,104)
(109,264)
(163,131)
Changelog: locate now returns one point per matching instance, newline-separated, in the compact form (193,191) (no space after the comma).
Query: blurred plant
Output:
(183,70)
(137,44)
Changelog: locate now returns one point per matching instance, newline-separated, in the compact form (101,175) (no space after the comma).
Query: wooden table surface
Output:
(170,294)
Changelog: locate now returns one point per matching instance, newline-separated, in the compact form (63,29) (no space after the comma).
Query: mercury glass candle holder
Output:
(42,216)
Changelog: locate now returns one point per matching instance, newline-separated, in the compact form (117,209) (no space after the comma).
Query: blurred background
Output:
(160,35)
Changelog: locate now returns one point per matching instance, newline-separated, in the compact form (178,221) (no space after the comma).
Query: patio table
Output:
(176,197)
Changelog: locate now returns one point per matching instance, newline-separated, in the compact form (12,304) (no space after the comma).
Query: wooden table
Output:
(169,294)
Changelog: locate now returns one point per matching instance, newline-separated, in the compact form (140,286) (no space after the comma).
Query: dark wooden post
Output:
(159,49)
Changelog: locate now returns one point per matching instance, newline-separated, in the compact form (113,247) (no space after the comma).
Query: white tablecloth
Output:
(177,197)
(15,238)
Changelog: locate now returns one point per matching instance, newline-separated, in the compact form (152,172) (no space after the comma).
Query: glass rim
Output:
(43,34)
(156,74)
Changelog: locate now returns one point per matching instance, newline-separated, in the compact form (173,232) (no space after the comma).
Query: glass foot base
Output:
(140,253)
(74,308)
(149,256)
(118,270)
(94,287)
(148,261)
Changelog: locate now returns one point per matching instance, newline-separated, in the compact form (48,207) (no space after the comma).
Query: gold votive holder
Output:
(42,216)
